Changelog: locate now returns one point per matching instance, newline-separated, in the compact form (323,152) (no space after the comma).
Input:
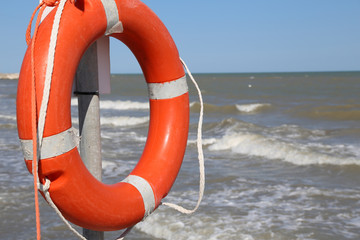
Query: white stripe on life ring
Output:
(52,146)
(114,25)
(145,190)
(168,90)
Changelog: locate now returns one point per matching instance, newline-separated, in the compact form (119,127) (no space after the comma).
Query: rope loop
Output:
(42,5)
(200,153)
(28,30)
(50,3)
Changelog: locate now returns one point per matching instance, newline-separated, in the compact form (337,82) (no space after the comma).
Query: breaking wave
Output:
(118,104)
(253,107)
(123,121)
(299,146)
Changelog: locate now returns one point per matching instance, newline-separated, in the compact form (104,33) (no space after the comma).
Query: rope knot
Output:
(44,187)
(51,3)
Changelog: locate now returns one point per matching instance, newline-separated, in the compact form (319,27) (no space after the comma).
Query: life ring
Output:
(81,198)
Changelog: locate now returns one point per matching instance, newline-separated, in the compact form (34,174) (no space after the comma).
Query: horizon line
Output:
(256,72)
(265,72)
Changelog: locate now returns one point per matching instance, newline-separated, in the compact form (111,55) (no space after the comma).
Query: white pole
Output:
(87,90)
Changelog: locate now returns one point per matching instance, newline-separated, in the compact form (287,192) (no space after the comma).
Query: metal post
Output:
(87,90)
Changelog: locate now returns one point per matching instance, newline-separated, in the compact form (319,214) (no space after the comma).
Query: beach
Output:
(282,158)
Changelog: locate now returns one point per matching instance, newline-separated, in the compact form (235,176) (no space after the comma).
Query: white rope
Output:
(49,71)
(45,189)
(44,106)
(200,153)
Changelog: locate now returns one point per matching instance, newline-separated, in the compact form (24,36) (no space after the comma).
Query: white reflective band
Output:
(52,146)
(145,190)
(114,25)
(168,90)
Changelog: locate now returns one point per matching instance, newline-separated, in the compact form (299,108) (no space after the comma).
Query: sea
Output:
(282,159)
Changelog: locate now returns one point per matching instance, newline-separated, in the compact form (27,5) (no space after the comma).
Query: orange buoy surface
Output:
(81,198)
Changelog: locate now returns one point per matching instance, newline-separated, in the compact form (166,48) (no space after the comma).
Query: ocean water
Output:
(282,156)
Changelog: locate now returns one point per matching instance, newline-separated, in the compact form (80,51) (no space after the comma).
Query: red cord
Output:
(34,117)
(41,6)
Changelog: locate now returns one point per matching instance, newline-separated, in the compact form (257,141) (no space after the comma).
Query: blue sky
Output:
(229,35)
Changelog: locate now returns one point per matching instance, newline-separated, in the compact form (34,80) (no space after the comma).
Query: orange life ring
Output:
(81,198)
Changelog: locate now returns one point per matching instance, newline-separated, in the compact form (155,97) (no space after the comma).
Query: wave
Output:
(210,226)
(7,117)
(210,108)
(10,76)
(253,107)
(8,126)
(260,202)
(123,105)
(298,149)
(118,104)
(123,121)
(205,141)
(118,121)
(349,112)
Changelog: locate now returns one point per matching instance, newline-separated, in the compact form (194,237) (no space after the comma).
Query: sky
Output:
(228,36)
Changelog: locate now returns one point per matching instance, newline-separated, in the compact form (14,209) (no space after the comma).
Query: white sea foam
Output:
(300,154)
(123,121)
(107,164)
(116,170)
(171,226)
(253,107)
(267,211)
(123,105)
(290,204)
(74,101)
(205,141)
(118,104)
(8,117)
(297,132)
(192,104)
